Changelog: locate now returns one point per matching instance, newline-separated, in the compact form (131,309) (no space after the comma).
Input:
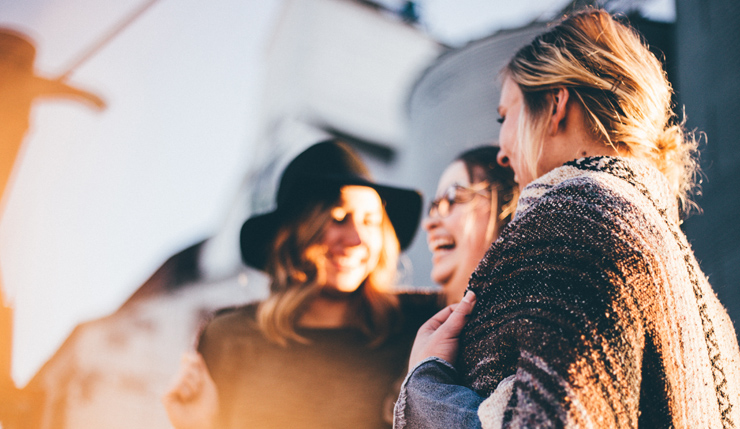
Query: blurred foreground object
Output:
(19,87)
(333,68)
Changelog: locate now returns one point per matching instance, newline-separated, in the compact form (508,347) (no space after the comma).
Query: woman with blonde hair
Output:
(591,309)
(327,345)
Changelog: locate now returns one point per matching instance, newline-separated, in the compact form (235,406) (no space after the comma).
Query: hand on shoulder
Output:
(438,337)
(192,400)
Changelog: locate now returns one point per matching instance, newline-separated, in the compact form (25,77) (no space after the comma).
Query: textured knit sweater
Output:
(592,311)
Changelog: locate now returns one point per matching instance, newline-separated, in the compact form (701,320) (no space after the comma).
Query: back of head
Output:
(620,84)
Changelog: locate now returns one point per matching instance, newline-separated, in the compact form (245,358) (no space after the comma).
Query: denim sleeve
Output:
(430,398)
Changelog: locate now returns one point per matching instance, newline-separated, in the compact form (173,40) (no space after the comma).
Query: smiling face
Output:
(510,110)
(353,239)
(533,144)
(458,241)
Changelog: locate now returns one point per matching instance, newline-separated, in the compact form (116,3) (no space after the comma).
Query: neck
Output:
(455,288)
(593,148)
(326,312)
(573,140)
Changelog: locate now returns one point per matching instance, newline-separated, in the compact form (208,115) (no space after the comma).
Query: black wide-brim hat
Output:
(317,174)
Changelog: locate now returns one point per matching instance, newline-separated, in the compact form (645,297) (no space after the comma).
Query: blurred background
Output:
(119,226)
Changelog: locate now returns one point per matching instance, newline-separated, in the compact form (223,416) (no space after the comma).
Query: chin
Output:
(342,288)
(441,279)
(345,287)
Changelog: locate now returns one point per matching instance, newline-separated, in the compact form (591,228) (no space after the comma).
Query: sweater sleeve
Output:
(558,315)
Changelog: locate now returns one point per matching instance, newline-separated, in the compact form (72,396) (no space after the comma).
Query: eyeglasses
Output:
(457,194)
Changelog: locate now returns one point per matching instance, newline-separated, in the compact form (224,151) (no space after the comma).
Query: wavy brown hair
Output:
(622,87)
(296,267)
(482,166)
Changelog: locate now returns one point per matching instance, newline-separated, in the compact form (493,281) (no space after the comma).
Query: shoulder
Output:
(590,190)
(601,183)
(573,204)
(574,224)
(231,322)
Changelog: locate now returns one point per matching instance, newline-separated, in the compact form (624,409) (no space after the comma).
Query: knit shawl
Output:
(593,305)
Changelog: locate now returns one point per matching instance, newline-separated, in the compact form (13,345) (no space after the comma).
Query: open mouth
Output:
(441,244)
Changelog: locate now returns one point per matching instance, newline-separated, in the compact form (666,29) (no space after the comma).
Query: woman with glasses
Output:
(475,198)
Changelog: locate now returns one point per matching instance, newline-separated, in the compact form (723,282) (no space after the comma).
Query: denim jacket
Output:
(431,398)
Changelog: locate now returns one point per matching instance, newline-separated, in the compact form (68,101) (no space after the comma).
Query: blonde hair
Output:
(295,266)
(621,86)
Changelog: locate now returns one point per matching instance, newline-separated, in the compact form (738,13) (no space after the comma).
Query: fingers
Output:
(458,312)
(189,379)
(456,320)
(438,319)
(439,335)
(194,361)
(192,401)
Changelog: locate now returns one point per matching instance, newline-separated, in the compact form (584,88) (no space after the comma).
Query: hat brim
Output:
(255,237)
(403,207)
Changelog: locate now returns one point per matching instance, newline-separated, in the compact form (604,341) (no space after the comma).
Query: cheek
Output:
(468,228)
(508,134)
(330,234)
(316,254)
(512,146)
(505,133)
(476,241)
(374,242)
(455,224)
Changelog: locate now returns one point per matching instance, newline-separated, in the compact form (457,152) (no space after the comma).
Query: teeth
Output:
(437,243)
(346,261)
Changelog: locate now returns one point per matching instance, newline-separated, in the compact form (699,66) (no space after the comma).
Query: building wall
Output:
(708,86)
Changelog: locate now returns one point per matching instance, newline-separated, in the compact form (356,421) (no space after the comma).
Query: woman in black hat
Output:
(328,344)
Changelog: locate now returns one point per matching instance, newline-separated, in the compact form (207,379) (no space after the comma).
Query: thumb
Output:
(454,324)
(466,305)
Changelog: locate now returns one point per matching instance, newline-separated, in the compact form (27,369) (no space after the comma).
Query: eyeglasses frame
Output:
(442,205)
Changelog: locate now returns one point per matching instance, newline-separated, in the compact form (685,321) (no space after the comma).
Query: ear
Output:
(559,104)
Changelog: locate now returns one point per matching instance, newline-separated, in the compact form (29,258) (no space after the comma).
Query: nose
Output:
(502,159)
(352,235)
(430,222)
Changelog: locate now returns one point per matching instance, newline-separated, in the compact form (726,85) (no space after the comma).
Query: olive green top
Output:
(336,381)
